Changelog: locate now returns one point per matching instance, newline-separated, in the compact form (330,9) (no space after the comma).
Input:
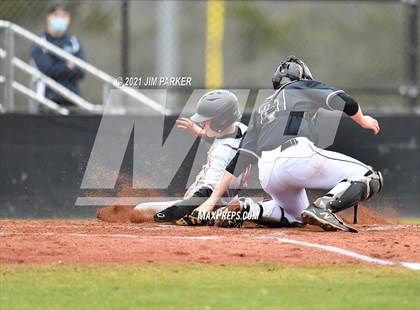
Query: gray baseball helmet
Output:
(220,107)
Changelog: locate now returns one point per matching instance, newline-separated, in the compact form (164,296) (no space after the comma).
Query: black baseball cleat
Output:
(166,215)
(325,219)
(161,217)
(173,213)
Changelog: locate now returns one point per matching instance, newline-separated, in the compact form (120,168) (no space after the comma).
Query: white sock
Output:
(272,212)
(254,209)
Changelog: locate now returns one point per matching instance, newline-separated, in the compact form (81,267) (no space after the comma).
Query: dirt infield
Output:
(91,241)
(124,214)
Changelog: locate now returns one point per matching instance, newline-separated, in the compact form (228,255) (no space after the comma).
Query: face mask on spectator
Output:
(59,24)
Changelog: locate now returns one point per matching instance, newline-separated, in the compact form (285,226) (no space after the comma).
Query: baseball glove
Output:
(232,217)
(193,219)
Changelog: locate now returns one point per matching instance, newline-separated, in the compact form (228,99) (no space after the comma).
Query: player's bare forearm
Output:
(218,192)
(367,122)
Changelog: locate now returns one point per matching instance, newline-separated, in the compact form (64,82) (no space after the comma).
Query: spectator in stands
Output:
(66,73)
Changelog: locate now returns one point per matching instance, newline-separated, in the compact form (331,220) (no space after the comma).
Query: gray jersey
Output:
(288,113)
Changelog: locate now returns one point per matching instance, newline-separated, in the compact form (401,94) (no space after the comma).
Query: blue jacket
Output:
(55,67)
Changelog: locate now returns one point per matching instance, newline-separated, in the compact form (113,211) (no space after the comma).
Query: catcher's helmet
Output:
(220,107)
(292,68)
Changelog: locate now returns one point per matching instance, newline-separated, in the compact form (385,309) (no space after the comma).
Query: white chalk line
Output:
(386,228)
(108,236)
(328,248)
(336,250)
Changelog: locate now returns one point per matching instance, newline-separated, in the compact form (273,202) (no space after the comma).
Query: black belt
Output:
(288,143)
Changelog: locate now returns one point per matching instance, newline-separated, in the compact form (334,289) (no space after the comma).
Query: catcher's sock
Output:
(273,213)
(291,218)
(254,210)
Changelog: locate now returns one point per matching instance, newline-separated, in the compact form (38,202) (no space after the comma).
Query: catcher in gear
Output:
(282,138)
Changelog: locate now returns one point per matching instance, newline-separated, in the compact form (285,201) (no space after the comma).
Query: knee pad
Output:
(375,182)
(348,193)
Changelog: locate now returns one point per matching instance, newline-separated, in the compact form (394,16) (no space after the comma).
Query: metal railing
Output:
(34,96)
(10,61)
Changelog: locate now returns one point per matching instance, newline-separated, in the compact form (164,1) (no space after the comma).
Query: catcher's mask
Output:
(220,107)
(292,68)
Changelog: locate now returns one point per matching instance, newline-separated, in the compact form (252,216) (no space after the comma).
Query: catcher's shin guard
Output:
(348,193)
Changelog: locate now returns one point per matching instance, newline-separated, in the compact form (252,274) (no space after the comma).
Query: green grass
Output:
(180,286)
(407,220)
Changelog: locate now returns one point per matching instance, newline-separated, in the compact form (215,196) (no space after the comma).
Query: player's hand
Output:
(369,122)
(190,126)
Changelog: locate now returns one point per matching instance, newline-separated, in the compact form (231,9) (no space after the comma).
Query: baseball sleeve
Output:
(247,151)
(339,100)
